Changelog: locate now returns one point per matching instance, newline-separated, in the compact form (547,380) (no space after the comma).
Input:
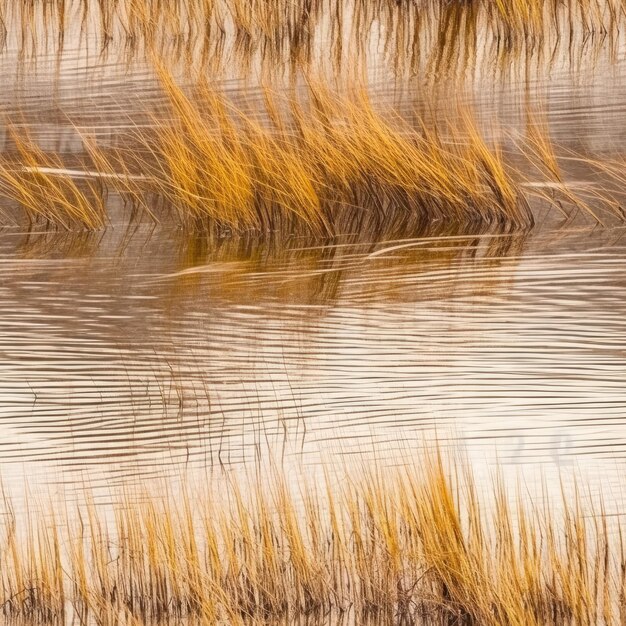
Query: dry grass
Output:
(600,192)
(214,163)
(34,180)
(410,545)
(307,163)
(306,166)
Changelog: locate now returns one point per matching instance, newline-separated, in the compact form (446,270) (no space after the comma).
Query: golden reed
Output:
(300,163)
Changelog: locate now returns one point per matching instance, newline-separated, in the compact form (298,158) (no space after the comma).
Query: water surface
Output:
(125,358)
(143,351)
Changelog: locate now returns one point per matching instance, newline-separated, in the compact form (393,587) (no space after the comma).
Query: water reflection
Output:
(127,356)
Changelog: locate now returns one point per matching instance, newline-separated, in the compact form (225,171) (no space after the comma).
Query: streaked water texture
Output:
(152,354)
(137,352)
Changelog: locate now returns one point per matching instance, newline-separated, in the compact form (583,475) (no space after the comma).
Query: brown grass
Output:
(600,192)
(215,163)
(306,163)
(304,166)
(410,545)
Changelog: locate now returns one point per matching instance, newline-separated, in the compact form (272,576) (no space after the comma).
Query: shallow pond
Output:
(203,405)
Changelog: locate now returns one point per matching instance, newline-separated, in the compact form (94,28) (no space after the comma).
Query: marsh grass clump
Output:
(309,162)
(36,181)
(303,165)
(416,544)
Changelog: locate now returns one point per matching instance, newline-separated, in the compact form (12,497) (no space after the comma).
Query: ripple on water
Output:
(117,368)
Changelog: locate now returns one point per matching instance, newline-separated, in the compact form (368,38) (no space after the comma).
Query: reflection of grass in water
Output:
(280,36)
(411,543)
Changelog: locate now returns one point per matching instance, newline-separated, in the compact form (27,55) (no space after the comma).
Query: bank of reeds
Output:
(309,164)
(410,545)
(212,165)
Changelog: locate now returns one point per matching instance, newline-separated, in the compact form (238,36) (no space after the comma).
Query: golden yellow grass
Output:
(211,166)
(301,164)
(411,544)
(305,165)
(35,181)
(215,164)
